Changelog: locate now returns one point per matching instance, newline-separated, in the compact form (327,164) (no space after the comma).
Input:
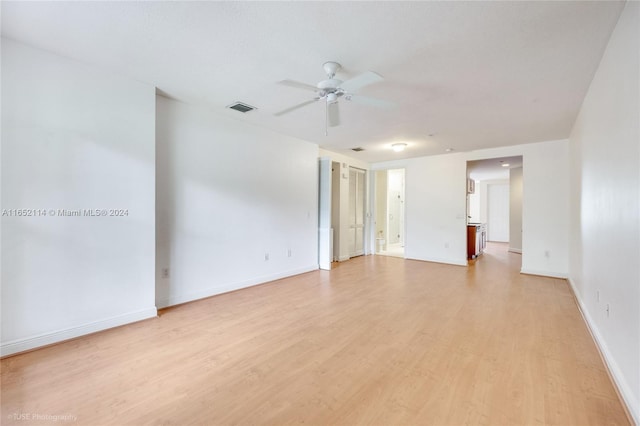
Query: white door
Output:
(324,215)
(356,212)
(498,213)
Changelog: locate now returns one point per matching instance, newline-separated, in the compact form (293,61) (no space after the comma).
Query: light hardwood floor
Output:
(378,340)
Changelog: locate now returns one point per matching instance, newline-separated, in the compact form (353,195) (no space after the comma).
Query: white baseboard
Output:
(515,250)
(343,258)
(549,274)
(225,288)
(623,388)
(20,345)
(455,262)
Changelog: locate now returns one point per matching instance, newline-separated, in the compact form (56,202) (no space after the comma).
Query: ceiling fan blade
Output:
(360,81)
(334,114)
(298,85)
(295,107)
(365,100)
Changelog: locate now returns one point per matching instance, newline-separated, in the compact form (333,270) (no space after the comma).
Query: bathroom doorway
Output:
(390,212)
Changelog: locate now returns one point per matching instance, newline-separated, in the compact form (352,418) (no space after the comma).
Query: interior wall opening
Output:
(390,212)
(494,204)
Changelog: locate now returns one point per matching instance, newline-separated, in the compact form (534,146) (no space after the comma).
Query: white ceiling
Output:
(464,75)
(492,168)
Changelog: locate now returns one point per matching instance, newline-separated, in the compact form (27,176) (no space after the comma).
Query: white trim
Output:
(440,260)
(225,288)
(624,390)
(33,342)
(515,250)
(549,274)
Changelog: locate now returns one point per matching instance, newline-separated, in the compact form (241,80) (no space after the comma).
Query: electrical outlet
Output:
(446,245)
(547,254)
(289,253)
(165,272)
(607,310)
(266,257)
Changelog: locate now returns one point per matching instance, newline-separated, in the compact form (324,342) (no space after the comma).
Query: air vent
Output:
(243,108)
(358,149)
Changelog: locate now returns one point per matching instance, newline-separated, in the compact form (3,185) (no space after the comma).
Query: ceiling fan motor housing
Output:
(331,68)
(332,89)
(330,85)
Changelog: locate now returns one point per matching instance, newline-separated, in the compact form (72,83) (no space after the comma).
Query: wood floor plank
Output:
(376,341)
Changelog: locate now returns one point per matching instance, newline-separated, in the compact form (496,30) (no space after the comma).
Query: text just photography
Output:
(65,212)
(42,417)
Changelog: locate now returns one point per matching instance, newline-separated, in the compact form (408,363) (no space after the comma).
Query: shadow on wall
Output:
(236,205)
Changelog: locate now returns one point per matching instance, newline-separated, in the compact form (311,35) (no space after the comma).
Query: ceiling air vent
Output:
(243,108)
(358,149)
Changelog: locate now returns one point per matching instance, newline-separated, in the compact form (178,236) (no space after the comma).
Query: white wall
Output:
(515,210)
(605,228)
(227,194)
(482,191)
(498,212)
(74,137)
(350,161)
(436,211)
(545,205)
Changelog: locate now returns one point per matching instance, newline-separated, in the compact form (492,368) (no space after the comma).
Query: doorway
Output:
(494,203)
(390,212)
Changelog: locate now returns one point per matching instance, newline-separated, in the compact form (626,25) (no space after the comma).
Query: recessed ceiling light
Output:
(505,164)
(449,149)
(398,147)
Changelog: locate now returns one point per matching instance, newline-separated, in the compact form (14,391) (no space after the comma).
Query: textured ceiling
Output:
(464,75)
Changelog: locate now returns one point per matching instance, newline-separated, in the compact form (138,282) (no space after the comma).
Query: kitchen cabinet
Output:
(476,239)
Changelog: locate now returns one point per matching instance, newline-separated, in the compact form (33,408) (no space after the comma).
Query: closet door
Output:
(356,212)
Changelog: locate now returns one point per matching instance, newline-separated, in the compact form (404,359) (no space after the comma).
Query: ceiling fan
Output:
(332,89)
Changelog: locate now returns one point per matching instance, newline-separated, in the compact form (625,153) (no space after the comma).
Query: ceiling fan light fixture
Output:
(398,147)
(332,89)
